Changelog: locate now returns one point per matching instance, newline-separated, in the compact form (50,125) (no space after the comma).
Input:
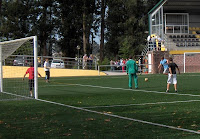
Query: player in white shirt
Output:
(47,70)
(85,58)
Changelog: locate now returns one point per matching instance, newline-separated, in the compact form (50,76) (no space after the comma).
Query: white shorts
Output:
(172,79)
(166,70)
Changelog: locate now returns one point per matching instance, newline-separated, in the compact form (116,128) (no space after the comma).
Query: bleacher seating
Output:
(186,40)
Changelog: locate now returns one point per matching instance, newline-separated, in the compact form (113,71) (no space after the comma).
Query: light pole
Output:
(78,48)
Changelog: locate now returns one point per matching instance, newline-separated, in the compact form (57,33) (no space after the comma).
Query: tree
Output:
(65,24)
(125,28)
(44,24)
(0,4)
(27,18)
(103,9)
(13,20)
(89,10)
(76,22)
(69,26)
(116,16)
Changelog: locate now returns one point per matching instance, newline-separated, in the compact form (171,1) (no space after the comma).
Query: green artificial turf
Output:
(109,95)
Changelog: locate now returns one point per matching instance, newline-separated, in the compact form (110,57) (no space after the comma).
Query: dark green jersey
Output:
(131,67)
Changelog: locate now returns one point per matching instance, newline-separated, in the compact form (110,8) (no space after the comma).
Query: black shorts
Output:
(47,75)
(31,84)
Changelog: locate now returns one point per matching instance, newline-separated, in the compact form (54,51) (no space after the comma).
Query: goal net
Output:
(191,62)
(16,56)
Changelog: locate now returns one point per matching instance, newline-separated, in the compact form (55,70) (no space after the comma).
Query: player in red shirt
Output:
(30,71)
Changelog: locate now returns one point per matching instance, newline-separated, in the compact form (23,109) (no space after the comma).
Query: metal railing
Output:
(70,63)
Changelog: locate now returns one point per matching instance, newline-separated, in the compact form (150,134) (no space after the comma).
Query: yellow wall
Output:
(18,72)
(182,51)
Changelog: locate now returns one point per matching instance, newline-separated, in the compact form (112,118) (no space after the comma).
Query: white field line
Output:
(137,90)
(134,90)
(100,77)
(112,115)
(117,77)
(17,95)
(121,117)
(143,104)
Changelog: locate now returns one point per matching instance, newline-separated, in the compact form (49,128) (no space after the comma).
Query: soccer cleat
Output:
(130,87)
(167,91)
(176,91)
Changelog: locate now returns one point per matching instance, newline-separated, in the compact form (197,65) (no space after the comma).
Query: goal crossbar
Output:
(9,46)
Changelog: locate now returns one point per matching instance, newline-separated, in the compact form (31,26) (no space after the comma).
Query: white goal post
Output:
(191,62)
(7,48)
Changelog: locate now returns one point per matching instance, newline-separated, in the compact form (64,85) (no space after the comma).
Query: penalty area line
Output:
(121,117)
(142,104)
(124,89)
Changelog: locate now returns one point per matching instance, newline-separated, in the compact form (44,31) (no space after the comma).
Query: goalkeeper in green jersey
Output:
(131,70)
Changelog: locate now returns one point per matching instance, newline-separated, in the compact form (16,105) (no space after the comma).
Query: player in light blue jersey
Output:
(164,63)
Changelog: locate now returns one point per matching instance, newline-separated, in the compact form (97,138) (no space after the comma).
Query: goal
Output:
(15,58)
(191,62)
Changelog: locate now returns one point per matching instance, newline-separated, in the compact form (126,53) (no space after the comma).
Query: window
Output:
(176,23)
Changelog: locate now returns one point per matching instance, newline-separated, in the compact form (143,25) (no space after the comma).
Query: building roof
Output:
(156,6)
(178,6)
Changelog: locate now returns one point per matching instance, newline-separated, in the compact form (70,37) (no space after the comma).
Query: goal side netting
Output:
(16,56)
(191,62)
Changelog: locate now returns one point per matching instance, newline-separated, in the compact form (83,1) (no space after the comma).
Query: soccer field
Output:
(104,107)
